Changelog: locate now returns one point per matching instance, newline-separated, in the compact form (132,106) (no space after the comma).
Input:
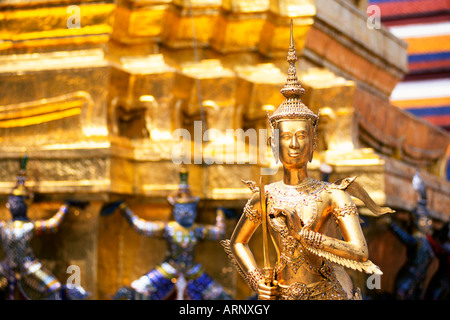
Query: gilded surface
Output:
(23,28)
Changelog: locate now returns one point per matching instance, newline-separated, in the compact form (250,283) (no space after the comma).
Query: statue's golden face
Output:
(296,142)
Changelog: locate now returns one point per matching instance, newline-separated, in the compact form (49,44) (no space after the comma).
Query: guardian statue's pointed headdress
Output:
(183,194)
(184,203)
(292,107)
(20,198)
(20,189)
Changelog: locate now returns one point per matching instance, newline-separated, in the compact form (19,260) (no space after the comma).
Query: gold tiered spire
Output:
(292,107)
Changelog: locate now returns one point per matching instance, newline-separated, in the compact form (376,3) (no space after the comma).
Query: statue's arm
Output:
(217,231)
(341,207)
(353,246)
(144,227)
(350,251)
(239,248)
(52,224)
(402,235)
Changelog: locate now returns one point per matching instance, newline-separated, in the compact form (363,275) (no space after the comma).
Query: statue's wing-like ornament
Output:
(356,190)
(363,266)
(251,185)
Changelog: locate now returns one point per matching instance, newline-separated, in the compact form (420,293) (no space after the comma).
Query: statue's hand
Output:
(109,208)
(267,292)
(293,221)
(77,203)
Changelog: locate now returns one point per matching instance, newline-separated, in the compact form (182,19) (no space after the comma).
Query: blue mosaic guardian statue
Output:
(22,275)
(178,276)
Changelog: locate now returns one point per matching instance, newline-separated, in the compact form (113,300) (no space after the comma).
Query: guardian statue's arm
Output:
(217,231)
(51,225)
(144,227)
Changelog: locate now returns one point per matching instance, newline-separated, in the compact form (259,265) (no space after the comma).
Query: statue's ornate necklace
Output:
(297,197)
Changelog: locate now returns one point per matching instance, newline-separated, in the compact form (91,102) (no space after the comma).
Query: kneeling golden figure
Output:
(314,225)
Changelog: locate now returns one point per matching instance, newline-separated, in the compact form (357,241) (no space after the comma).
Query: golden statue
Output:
(305,218)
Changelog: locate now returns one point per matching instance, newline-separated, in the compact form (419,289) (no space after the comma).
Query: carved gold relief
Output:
(61,115)
(26,27)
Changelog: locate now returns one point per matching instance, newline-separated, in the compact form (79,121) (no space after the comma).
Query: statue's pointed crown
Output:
(20,189)
(183,194)
(292,107)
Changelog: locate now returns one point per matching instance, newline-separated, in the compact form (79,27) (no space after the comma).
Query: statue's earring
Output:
(314,144)
(314,137)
